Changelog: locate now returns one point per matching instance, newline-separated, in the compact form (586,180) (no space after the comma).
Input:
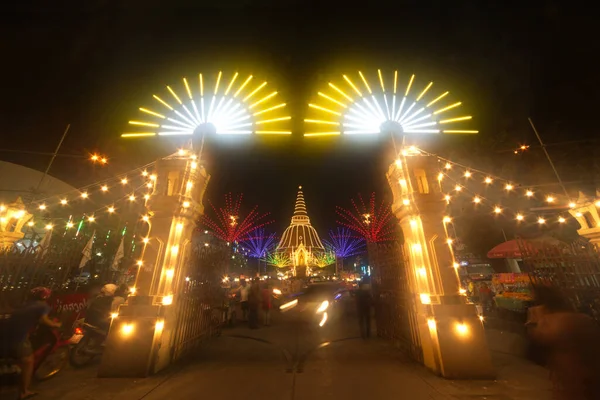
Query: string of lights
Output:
(343,243)
(371,222)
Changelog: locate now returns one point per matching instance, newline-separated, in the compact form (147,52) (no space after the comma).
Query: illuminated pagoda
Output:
(300,240)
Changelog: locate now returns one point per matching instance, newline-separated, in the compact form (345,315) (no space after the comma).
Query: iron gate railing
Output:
(573,268)
(202,300)
(395,310)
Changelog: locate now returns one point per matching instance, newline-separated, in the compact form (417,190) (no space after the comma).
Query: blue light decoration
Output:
(259,243)
(344,243)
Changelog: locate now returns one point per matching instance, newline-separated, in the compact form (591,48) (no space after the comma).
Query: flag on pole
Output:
(44,245)
(87,252)
(118,256)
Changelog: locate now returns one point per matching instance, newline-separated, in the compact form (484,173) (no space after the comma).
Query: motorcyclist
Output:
(98,312)
(16,343)
(120,297)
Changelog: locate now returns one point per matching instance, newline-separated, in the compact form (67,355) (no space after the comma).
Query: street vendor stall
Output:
(513,291)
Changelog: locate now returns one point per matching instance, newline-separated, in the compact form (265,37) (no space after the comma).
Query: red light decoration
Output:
(229,225)
(372,223)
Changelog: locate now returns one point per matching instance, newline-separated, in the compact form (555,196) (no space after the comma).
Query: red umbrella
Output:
(511,248)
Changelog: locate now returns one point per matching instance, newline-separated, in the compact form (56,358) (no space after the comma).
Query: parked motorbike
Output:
(89,346)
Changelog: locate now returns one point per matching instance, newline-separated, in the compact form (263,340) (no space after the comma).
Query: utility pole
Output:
(51,161)
(548,157)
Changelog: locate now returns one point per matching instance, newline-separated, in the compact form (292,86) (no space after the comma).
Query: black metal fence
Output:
(395,310)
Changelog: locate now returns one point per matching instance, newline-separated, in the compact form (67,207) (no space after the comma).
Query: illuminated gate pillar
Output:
(452,336)
(142,335)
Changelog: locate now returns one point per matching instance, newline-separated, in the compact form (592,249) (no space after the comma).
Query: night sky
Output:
(92,67)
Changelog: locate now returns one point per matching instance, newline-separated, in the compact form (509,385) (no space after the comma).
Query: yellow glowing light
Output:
(49,226)
(447,220)
(467,174)
(573,205)
(174,94)
(529,193)
(94,157)
(447,108)
(30,223)
(139,263)
(455,265)
(111,209)
(440,176)
(381,80)
(274,133)
(406,202)
(141,134)
(70,224)
(550,199)
(449,241)
(497,210)
(146,196)
(152,177)
(104,188)
(481,318)
(509,186)
(262,85)
(425,298)
(145,110)
(412,78)
(144,173)
(84,195)
(597,203)
(323,95)
(189,184)
(267,121)
(267,97)
(124,181)
(231,83)
(179,226)
(447,198)
(319,121)
(42,207)
(146,240)
(477,199)
(194,165)
(266,110)
(578,214)
(159,325)
(2,207)
(462,329)
(457,188)
(462,291)
(290,304)
(520,217)
(174,251)
(541,221)
(448,166)
(422,271)
(488,180)
(431,323)
(352,85)
(103,160)
(441,96)
(141,123)
(324,109)
(167,300)
(447,121)
(314,134)
(164,103)
(91,218)
(561,220)
(149,185)
(132,290)
(186,204)
(413,223)
(131,198)
(424,91)
(127,329)
(145,218)
(243,86)
(63,202)
(365,82)
(416,247)
(181,152)
(170,273)
(459,131)
(114,315)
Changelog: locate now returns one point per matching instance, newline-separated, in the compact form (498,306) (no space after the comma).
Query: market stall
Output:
(513,291)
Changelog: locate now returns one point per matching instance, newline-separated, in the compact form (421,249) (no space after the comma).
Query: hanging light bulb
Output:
(519,217)
(509,186)
(84,195)
(42,207)
(447,220)
(131,198)
(144,173)
(91,218)
(124,181)
(529,193)
(477,199)
(63,202)
(541,221)
(550,199)
(146,240)
(467,174)
(497,210)
(440,176)
(457,188)
(186,204)
(146,196)
(94,157)
(562,220)
(448,166)
(104,160)
(405,202)
(49,226)
(578,214)
(149,185)
(111,209)
(449,241)
(152,177)
(70,225)
(145,218)
(447,198)
(488,180)
(104,188)
(573,205)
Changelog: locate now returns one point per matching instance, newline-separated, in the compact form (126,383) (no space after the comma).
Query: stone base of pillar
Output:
(133,347)
(454,342)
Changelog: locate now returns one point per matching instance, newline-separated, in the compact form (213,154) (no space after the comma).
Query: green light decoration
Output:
(279,260)
(325,259)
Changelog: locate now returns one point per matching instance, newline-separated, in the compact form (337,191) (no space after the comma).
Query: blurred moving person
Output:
(267,303)
(244,290)
(571,341)
(364,301)
(254,297)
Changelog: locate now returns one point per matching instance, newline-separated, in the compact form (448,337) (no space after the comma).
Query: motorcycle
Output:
(89,346)
(50,352)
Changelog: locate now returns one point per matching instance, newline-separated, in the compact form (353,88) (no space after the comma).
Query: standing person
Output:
(267,303)
(16,342)
(243,289)
(254,303)
(571,341)
(98,312)
(363,306)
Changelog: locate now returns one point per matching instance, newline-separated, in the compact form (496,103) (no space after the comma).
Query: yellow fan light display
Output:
(399,105)
(232,104)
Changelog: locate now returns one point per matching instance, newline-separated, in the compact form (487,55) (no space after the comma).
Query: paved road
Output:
(296,360)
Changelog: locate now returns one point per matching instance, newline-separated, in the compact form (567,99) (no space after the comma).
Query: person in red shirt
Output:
(267,294)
